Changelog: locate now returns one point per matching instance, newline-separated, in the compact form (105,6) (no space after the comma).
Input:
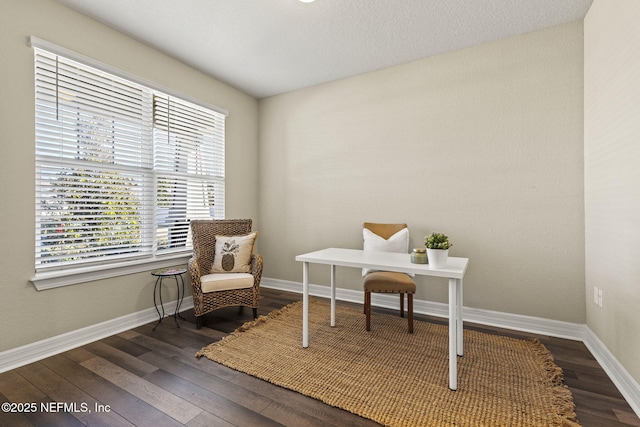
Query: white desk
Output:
(387,261)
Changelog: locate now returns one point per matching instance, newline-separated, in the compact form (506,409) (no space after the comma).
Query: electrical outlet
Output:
(600,298)
(596,295)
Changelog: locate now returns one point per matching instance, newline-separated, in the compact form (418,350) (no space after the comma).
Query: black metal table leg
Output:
(157,289)
(180,295)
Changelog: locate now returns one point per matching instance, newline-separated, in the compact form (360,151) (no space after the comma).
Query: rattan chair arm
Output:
(256,268)
(194,273)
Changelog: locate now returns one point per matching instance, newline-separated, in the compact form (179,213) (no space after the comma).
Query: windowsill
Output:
(57,279)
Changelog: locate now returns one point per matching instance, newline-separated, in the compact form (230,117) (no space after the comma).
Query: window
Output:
(121,167)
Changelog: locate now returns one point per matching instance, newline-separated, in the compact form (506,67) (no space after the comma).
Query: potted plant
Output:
(438,246)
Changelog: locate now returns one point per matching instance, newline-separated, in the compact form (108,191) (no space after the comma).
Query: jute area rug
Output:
(396,378)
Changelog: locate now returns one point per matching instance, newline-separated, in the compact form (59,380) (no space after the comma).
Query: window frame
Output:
(54,277)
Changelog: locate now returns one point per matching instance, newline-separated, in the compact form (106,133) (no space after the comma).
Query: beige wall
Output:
(612,176)
(29,315)
(484,144)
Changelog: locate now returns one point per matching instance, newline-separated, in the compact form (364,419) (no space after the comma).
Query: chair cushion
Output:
(233,253)
(399,242)
(387,281)
(225,281)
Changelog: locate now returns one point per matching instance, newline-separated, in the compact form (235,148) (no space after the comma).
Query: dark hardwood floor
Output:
(146,378)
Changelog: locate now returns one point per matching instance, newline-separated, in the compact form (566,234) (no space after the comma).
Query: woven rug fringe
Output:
(249,325)
(562,395)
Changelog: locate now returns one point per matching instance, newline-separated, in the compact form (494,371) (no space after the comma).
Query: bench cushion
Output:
(225,281)
(387,281)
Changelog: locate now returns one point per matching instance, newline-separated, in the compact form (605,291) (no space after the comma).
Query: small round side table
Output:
(157,290)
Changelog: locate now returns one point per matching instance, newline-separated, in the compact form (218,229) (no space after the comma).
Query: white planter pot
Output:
(437,258)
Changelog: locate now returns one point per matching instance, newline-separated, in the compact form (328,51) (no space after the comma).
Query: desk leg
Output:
(459,307)
(453,334)
(333,295)
(305,304)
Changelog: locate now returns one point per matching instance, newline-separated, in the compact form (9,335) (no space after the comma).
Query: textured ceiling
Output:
(268,47)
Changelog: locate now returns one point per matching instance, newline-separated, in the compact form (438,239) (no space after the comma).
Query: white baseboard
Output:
(630,389)
(20,356)
(536,325)
(627,385)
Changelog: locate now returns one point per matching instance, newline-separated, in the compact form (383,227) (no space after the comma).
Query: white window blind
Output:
(121,168)
(189,167)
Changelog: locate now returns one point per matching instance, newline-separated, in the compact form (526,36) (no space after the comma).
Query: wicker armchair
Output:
(200,264)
